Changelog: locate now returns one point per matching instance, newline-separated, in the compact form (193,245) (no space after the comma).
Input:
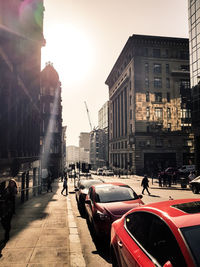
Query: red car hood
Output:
(117,209)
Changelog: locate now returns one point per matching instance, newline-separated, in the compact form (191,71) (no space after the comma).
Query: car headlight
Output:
(102,216)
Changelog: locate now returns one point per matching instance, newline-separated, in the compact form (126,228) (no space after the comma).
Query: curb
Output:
(76,255)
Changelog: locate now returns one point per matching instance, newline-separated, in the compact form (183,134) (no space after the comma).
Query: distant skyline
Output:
(84,39)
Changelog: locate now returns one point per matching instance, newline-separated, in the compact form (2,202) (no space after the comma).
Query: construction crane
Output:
(88,114)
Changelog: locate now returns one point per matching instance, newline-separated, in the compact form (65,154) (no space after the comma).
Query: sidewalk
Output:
(43,233)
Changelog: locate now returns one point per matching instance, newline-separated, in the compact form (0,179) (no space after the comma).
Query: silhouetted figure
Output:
(160,180)
(145,184)
(174,178)
(7,206)
(49,182)
(65,186)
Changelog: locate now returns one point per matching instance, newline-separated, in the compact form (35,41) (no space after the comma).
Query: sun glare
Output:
(71,52)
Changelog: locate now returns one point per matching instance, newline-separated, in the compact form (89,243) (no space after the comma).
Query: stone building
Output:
(149,105)
(21,39)
(51,121)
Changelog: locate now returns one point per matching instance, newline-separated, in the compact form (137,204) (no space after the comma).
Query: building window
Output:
(147,82)
(185,84)
(157,68)
(169,127)
(159,113)
(148,143)
(147,96)
(167,83)
(168,113)
(148,112)
(130,114)
(185,113)
(158,97)
(188,142)
(184,54)
(168,97)
(159,142)
(130,100)
(146,52)
(156,52)
(146,67)
(157,82)
(167,68)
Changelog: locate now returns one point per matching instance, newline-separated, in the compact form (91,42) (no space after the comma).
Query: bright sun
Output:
(70,51)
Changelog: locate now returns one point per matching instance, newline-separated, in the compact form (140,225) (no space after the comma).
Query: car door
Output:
(88,203)
(132,244)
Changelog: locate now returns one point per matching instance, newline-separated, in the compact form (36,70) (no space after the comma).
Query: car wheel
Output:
(195,189)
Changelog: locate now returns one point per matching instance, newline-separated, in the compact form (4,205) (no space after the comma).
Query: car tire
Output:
(195,189)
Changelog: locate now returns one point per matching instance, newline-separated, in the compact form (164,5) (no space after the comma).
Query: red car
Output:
(106,203)
(159,234)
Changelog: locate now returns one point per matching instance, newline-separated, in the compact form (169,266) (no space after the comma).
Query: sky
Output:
(84,39)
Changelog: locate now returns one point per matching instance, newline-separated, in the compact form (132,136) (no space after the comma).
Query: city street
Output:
(100,257)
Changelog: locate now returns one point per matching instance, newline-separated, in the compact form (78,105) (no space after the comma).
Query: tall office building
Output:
(149,105)
(21,39)
(194,37)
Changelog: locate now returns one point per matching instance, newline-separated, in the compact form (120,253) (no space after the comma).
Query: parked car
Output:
(81,192)
(160,234)
(99,171)
(107,173)
(106,203)
(170,171)
(195,185)
(186,169)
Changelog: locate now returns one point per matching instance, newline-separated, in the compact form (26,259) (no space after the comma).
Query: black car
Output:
(195,185)
(81,192)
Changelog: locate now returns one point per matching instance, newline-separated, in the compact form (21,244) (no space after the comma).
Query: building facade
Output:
(194,37)
(21,39)
(98,148)
(51,121)
(150,105)
(84,141)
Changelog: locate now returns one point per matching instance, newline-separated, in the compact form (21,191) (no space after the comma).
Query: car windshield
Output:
(114,193)
(88,183)
(192,238)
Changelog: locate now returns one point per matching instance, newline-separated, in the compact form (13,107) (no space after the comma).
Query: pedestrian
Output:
(6,207)
(174,178)
(160,180)
(49,182)
(65,187)
(191,176)
(145,184)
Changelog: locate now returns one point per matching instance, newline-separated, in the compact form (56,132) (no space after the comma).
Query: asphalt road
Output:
(99,256)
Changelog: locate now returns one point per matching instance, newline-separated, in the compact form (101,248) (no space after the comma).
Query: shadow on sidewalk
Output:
(30,211)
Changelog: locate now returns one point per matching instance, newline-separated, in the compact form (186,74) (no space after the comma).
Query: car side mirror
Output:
(168,264)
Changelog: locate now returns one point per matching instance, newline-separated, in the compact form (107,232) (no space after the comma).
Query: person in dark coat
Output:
(7,207)
(145,184)
(49,181)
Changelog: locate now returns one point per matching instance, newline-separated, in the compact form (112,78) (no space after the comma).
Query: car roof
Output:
(181,212)
(110,184)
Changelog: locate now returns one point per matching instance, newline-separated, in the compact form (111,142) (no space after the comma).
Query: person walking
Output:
(145,184)
(65,187)
(49,182)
